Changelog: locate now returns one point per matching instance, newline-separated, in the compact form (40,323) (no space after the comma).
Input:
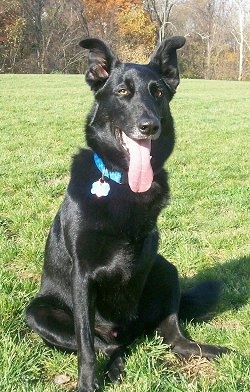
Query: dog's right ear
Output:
(165,58)
(101,62)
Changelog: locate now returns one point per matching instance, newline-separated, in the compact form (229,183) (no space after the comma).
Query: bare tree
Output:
(33,10)
(160,11)
(55,27)
(206,25)
(243,9)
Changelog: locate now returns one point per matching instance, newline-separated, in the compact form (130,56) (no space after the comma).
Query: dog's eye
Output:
(123,91)
(158,93)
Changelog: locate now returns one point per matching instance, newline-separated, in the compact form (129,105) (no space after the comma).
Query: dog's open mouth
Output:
(140,172)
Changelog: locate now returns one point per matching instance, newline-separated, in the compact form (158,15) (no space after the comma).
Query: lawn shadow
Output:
(235,277)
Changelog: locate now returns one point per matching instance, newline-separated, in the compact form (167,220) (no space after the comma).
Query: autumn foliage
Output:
(126,24)
(42,36)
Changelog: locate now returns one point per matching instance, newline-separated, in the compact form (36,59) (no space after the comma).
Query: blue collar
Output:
(113,175)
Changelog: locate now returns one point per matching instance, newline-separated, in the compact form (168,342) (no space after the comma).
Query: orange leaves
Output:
(125,24)
(138,31)
(105,8)
(14,31)
(136,22)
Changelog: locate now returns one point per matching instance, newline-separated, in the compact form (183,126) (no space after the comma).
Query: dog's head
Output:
(130,125)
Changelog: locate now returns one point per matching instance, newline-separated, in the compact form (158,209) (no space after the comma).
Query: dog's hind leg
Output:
(56,326)
(116,364)
(170,331)
(54,323)
(160,304)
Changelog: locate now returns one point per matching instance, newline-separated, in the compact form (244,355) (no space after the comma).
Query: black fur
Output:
(103,283)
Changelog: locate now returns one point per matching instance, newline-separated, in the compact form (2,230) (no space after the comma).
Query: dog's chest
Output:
(120,278)
(117,301)
(121,216)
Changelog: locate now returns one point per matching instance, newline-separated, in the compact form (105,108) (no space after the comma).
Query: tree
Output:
(239,31)
(12,26)
(54,29)
(208,19)
(160,11)
(43,35)
(124,24)
(137,34)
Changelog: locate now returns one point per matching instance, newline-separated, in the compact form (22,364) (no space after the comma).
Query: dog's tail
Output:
(199,301)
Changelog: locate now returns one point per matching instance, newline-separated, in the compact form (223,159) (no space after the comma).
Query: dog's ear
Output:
(165,58)
(101,62)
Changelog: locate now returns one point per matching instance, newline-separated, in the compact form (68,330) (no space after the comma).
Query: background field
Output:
(204,231)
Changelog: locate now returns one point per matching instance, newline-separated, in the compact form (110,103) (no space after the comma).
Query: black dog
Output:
(103,283)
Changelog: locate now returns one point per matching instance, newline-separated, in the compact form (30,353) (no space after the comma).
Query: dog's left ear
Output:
(165,58)
(101,62)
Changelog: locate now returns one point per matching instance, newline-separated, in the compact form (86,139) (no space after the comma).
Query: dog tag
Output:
(100,188)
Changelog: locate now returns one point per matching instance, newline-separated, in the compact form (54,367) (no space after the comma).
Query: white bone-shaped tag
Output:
(100,188)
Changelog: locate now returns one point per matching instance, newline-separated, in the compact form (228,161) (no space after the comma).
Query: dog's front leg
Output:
(84,317)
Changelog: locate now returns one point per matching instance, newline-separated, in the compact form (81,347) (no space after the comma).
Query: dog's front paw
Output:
(94,387)
(115,368)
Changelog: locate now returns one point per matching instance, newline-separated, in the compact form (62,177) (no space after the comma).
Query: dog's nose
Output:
(149,127)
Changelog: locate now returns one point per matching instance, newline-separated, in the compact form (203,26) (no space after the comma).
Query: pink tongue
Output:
(140,173)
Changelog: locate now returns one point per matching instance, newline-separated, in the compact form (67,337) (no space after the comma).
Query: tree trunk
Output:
(241,42)
(38,10)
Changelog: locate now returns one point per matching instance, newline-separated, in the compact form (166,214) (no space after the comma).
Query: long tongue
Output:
(140,173)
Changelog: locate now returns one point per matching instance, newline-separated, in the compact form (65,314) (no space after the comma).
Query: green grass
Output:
(204,230)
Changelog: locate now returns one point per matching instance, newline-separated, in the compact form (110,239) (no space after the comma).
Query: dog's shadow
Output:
(235,277)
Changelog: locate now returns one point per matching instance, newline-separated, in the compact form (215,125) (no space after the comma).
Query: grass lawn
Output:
(204,230)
